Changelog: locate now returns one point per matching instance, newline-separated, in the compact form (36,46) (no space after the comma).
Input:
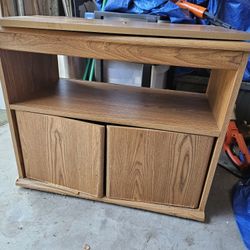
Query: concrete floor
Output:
(3,117)
(36,220)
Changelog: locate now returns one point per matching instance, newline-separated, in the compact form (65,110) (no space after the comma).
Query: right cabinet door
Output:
(156,166)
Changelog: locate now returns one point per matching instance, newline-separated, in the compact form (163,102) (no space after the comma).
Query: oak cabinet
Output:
(142,165)
(156,166)
(63,151)
(151,149)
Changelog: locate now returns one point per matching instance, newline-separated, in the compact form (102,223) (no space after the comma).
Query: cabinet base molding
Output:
(187,213)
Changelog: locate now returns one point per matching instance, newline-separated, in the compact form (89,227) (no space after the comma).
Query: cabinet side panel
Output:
(157,166)
(26,73)
(222,92)
(220,89)
(21,74)
(61,151)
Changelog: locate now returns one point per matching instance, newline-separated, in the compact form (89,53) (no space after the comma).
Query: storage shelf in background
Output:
(115,104)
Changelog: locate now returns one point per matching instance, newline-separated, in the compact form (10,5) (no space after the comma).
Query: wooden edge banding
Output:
(100,184)
(107,161)
(194,214)
(135,40)
(13,126)
(128,27)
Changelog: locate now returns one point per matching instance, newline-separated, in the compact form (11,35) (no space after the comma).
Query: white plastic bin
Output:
(131,74)
(122,73)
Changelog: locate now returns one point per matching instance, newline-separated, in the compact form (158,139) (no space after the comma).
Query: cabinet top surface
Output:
(137,28)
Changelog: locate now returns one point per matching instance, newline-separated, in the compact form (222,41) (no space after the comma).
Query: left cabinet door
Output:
(63,151)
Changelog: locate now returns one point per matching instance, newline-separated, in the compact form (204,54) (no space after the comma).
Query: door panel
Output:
(156,166)
(63,151)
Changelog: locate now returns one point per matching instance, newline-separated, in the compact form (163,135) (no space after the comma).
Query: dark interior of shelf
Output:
(133,106)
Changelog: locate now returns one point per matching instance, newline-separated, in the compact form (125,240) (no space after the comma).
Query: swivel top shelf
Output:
(125,28)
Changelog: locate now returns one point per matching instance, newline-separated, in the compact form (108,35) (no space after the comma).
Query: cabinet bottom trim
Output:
(187,213)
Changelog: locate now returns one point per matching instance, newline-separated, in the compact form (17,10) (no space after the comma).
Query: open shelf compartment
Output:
(132,106)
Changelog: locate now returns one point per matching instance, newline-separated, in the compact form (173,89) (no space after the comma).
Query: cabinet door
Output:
(63,151)
(156,166)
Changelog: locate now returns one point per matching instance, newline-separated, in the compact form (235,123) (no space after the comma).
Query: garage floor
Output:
(36,220)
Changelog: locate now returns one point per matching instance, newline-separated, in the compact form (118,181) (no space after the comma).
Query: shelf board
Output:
(124,105)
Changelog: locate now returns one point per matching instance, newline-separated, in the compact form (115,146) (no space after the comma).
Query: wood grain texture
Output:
(32,90)
(21,74)
(21,33)
(155,166)
(131,49)
(182,212)
(128,27)
(221,81)
(13,127)
(110,103)
(227,102)
(63,151)
(26,73)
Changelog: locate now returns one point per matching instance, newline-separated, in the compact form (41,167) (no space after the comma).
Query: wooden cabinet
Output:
(161,147)
(156,166)
(63,151)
